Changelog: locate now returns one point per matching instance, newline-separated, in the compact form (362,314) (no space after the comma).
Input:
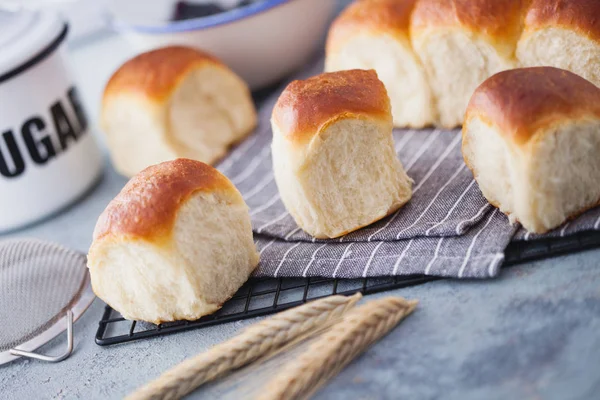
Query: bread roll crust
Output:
(385,16)
(582,16)
(375,34)
(509,99)
(306,106)
(175,244)
(531,137)
(499,21)
(147,206)
(174,102)
(334,160)
(458,44)
(156,74)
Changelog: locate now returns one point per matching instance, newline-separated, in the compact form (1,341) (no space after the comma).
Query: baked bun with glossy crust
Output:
(374,34)
(175,244)
(461,43)
(333,153)
(563,34)
(174,102)
(432,54)
(531,137)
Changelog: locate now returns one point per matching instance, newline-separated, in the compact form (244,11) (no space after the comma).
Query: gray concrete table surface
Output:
(533,333)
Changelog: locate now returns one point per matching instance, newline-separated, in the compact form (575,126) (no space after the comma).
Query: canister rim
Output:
(35,35)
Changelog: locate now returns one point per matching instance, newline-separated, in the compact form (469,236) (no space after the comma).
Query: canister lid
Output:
(26,37)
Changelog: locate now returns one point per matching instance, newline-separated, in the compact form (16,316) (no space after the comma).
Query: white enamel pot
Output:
(262,42)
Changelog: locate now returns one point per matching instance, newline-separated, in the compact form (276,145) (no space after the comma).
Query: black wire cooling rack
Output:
(266,296)
(258,297)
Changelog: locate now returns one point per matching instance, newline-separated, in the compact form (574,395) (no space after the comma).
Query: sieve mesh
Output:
(39,282)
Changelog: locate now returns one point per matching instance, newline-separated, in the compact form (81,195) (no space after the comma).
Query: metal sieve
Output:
(44,287)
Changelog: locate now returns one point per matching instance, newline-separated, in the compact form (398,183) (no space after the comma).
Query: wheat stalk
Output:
(256,341)
(332,351)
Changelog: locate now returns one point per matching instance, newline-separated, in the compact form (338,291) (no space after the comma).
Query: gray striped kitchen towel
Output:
(447,229)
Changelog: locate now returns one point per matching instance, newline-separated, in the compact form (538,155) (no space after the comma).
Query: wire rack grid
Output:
(259,297)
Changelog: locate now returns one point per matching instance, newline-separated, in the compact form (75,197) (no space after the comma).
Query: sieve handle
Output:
(29,354)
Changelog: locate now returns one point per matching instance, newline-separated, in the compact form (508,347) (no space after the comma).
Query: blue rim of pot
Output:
(210,21)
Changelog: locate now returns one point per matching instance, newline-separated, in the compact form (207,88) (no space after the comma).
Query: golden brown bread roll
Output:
(563,34)
(333,153)
(461,43)
(175,244)
(532,137)
(374,34)
(432,54)
(174,102)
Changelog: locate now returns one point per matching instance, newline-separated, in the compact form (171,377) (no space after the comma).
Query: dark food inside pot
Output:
(190,9)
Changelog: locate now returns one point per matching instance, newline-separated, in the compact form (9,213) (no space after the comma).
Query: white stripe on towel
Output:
(268,244)
(405,138)
(470,249)
(420,185)
(485,207)
(312,259)
(259,186)
(434,135)
(435,256)
(564,229)
(341,260)
(283,258)
(497,257)
(401,256)
(252,166)
(452,208)
(279,218)
(238,153)
(438,162)
(268,204)
(364,274)
(291,233)
(432,202)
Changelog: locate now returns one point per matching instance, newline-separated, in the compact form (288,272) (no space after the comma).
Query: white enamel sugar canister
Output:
(48,157)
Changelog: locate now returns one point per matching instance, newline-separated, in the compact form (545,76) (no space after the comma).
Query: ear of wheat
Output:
(258,340)
(333,350)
